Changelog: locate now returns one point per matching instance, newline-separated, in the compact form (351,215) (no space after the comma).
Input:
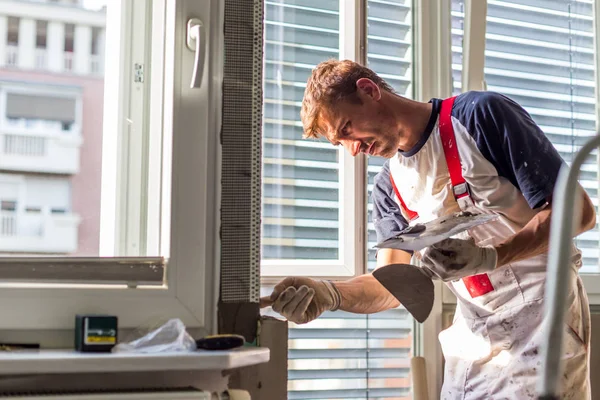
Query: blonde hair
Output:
(330,82)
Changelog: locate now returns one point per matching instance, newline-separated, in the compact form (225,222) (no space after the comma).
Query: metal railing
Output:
(68,61)
(41,59)
(8,223)
(95,64)
(24,145)
(23,224)
(12,55)
(566,217)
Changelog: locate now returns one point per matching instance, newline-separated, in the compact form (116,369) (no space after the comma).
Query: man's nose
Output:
(353,147)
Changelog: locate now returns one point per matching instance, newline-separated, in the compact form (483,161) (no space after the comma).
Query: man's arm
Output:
(303,299)
(364,294)
(533,239)
(510,139)
(519,150)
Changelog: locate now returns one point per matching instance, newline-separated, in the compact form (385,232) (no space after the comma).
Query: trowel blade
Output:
(408,284)
(424,235)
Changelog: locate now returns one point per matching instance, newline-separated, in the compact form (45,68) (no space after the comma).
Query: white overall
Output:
(492,349)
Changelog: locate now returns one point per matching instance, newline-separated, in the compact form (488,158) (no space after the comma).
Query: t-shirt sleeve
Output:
(509,138)
(386,215)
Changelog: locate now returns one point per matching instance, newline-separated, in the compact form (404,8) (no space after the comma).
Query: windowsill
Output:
(68,361)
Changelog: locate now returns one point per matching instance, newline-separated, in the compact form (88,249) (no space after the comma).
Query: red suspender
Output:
(459,186)
(411,214)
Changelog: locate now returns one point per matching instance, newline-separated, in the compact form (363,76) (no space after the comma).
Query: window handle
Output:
(196,43)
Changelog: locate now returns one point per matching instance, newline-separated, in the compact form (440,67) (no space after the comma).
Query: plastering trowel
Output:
(419,236)
(410,284)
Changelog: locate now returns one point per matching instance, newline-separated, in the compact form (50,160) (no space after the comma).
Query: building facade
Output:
(51,112)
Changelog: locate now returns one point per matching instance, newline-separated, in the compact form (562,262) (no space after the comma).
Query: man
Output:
(479,152)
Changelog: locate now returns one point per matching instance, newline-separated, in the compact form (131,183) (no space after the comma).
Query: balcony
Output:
(96,66)
(68,58)
(12,55)
(26,150)
(41,59)
(38,232)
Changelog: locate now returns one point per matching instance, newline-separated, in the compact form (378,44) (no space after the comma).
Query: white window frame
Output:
(473,75)
(189,223)
(124,205)
(352,200)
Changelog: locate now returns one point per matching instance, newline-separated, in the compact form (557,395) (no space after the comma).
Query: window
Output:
(41,28)
(7,205)
(12,37)
(87,160)
(12,41)
(7,218)
(541,54)
(302,190)
(41,32)
(306,197)
(350,356)
(69,37)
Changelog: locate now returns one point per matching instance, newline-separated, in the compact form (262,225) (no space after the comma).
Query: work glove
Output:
(301,300)
(453,259)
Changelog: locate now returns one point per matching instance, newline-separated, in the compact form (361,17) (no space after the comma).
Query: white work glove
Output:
(301,300)
(453,259)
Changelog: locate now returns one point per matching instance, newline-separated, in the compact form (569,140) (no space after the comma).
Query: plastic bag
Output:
(171,336)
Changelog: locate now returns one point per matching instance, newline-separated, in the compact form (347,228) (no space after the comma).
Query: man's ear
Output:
(369,88)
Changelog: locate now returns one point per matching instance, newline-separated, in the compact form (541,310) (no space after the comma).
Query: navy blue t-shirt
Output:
(507,137)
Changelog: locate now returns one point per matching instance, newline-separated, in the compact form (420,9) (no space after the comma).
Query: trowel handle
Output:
(266,302)
(419,378)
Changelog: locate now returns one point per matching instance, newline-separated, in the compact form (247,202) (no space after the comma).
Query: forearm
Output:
(365,295)
(533,239)
(529,242)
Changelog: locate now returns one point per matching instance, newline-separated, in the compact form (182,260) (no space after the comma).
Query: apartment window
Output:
(104,191)
(96,32)
(302,191)
(69,37)
(12,36)
(8,226)
(40,108)
(41,34)
(8,205)
(308,199)
(41,59)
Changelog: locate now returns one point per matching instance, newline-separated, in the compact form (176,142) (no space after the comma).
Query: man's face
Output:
(364,126)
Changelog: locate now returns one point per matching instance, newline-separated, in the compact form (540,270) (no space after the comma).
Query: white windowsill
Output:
(67,361)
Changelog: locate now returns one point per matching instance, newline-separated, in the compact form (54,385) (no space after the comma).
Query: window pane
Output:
(350,356)
(300,177)
(52,90)
(541,54)
(342,355)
